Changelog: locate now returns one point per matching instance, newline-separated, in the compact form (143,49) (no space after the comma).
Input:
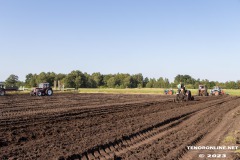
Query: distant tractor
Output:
(3,89)
(183,95)
(168,92)
(202,90)
(217,91)
(42,90)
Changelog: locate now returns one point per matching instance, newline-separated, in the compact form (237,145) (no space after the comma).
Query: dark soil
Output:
(106,126)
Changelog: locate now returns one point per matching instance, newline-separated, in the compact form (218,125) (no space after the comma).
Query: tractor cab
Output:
(201,86)
(216,88)
(2,85)
(43,85)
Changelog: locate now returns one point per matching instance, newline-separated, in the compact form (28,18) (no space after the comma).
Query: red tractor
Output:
(202,90)
(42,90)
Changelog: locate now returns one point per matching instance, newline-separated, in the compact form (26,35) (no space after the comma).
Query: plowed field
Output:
(105,126)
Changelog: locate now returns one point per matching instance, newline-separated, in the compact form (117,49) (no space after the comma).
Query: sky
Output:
(158,38)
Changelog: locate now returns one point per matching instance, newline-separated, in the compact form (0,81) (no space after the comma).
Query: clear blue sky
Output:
(157,37)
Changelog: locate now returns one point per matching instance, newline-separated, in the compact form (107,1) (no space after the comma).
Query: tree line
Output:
(77,79)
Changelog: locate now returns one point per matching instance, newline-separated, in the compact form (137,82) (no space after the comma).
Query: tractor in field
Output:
(168,92)
(183,95)
(217,91)
(3,89)
(202,90)
(42,90)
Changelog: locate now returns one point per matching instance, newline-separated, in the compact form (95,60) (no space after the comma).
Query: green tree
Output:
(145,81)
(238,84)
(160,83)
(98,78)
(166,83)
(42,78)
(127,82)
(75,79)
(212,84)
(20,83)
(69,82)
(60,77)
(12,80)
(51,76)
(90,82)
(111,83)
(28,80)
(231,85)
(33,82)
(137,80)
(151,83)
(186,79)
(106,78)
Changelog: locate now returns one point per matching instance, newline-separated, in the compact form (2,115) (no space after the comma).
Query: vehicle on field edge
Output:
(42,90)
(4,88)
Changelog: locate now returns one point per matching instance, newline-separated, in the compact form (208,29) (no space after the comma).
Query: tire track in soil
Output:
(121,146)
(53,107)
(36,122)
(74,112)
(200,130)
(42,105)
(216,136)
(116,149)
(100,110)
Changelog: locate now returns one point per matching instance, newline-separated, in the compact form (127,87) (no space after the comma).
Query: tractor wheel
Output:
(216,93)
(189,96)
(205,93)
(2,93)
(192,98)
(177,98)
(39,93)
(49,92)
(199,93)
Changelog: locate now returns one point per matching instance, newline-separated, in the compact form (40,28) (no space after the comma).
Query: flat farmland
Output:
(112,126)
